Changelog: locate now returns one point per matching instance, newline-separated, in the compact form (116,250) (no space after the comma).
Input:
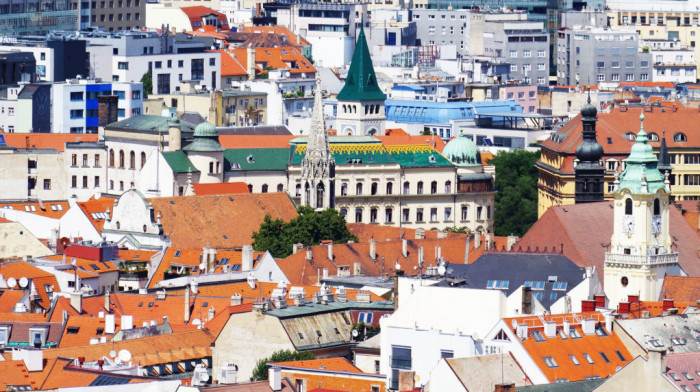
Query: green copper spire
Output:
(641,174)
(361,82)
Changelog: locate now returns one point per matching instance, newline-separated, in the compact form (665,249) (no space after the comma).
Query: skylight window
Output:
(574,360)
(150,304)
(687,375)
(655,343)
(678,341)
(550,362)
(553,296)
(536,285)
(538,296)
(235,267)
(53,207)
(60,207)
(561,286)
(537,335)
(95,267)
(588,358)
(605,357)
(619,355)
(600,331)
(205,304)
(72,330)
(177,253)
(300,336)
(674,376)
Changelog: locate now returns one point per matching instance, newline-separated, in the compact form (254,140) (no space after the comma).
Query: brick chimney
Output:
(250,62)
(504,388)
(667,304)
(404,247)
(247,258)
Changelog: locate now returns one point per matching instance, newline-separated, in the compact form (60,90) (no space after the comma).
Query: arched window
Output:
(376,109)
(389,188)
(653,137)
(298,190)
(680,137)
(121,159)
(132,160)
(143,159)
(345,108)
(111,158)
(448,186)
(358,189)
(358,215)
(250,188)
(366,109)
(280,188)
(344,212)
(264,188)
(628,207)
(433,187)
(631,136)
(375,186)
(111,184)
(657,207)
(406,187)
(344,189)
(181,191)
(420,188)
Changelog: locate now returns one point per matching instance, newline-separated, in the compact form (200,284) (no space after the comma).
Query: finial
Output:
(589,95)
(644,188)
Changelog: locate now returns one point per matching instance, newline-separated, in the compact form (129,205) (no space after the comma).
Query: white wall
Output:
(442,378)
(331,51)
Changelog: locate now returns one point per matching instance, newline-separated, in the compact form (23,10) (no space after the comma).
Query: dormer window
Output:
(37,336)
(4,335)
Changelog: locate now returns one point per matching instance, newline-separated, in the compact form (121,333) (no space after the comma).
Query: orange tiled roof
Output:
(49,209)
(146,351)
(23,317)
(395,132)
(255,141)
(57,141)
(219,221)
(222,188)
(192,258)
(80,329)
(195,14)
(560,349)
(207,31)
(655,308)
(435,142)
(3,220)
(136,255)
(648,84)
(86,265)
(364,232)
(9,298)
(62,303)
(230,65)
(14,373)
(289,58)
(92,206)
(277,30)
(328,364)
(39,277)
(681,288)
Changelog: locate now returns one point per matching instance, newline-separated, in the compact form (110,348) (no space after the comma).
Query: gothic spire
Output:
(318,136)
(361,82)
(664,164)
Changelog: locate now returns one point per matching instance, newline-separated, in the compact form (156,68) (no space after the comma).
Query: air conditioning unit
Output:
(228,374)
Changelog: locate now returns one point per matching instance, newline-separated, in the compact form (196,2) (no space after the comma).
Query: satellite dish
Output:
(514,323)
(196,322)
(397,266)
(355,333)
(204,377)
(73,261)
(12,283)
(202,266)
(112,354)
(416,378)
(23,282)
(124,355)
(442,270)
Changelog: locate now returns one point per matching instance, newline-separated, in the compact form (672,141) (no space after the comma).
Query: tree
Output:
(147,84)
(261,369)
(426,132)
(308,228)
(459,230)
(516,191)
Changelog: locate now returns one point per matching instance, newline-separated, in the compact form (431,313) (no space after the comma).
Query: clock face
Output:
(628,224)
(656,224)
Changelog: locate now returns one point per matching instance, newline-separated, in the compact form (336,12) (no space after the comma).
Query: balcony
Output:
(638,260)
(133,275)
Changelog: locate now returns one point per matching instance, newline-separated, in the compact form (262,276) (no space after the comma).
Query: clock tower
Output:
(641,251)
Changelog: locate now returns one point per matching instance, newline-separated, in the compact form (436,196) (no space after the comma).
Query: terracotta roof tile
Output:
(230,66)
(364,232)
(195,14)
(655,308)
(57,141)
(560,349)
(62,303)
(9,298)
(49,209)
(570,226)
(278,31)
(93,210)
(329,364)
(219,221)
(681,288)
(255,141)
(136,255)
(405,140)
(39,277)
(80,329)
(14,374)
(289,58)
(223,188)
(91,267)
(26,317)
(680,364)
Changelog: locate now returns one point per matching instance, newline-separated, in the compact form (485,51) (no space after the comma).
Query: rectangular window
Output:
(97,181)
(76,113)
(551,363)
(527,53)
(537,335)
(197,69)
(513,53)
(123,65)
(76,96)
(419,214)
(433,215)
(47,184)
(574,360)
(541,53)
(405,214)
(588,358)
(448,213)
(74,181)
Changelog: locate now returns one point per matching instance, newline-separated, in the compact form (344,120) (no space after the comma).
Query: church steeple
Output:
(664,164)
(318,165)
(589,171)
(641,167)
(361,102)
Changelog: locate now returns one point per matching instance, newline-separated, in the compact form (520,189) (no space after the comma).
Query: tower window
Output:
(628,207)
(624,281)
(657,207)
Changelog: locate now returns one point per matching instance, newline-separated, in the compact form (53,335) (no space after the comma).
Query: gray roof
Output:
(519,268)
(193,118)
(373,342)
(356,281)
(482,373)
(578,386)
(241,93)
(147,123)
(681,332)
(336,306)
(256,130)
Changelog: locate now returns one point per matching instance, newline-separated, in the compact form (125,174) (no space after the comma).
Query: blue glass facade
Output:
(424,112)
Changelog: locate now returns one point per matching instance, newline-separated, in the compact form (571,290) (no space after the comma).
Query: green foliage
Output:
(309,228)
(260,373)
(147,84)
(426,132)
(460,230)
(310,58)
(516,196)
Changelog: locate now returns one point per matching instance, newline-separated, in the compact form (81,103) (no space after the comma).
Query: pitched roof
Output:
(80,329)
(49,209)
(570,226)
(576,386)
(9,298)
(602,349)
(364,232)
(56,141)
(219,221)
(257,159)
(683,370)
(681,288)
(223,188)
(483,372)
(277,31)
(230,65)
(328,364)
(405,140)
(361,82)
(40,278)
(96,210)
(179,162)
(136,255)
(86,265)
(255,141)
(676,331)
(289,58)
(14,374)
(20,333)
(195,14)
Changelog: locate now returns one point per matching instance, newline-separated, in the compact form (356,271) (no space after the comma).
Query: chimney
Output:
(633,298)
(107,109)
(441,234)
(488,244)
(397,273)
(275,377)
(404,247)
(247,258)
(526,307)
(211,266)
(330,251)
(504,388)
(297,247)
(33,359)
(325,273)
(127,322)
(599,301)
(550,329)
(672,311)
(109,324)
(587,305)
(250,62)
(658,356)
(76,301)
(623,308)
(373,249)
(363,296)
(357,269)
(477,240)
(521,331)
(174,136)
(212,313)
(187,304)
(107,300)
(309,254)
(608,322)
(566,326)
(420,233)
(438,252)
(588,326)
(645,314)
(236,299)
(667,304)
(511,241)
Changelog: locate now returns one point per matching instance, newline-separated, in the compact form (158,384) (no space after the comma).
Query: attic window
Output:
(136,256)
(225,237)
(574,360)
(235,267)
(605,357)
(588,358)
(53,207)
(674,376)
(600,331)
(687,375)
(609,140)
(223,261)
(619,355)
(172,201)
(537,335)
(150,304)
(177,253)
(72,330)
(559,286)
(99,331)
(655,343)
(140,304)
(59,207)
(95,267)
(301,336)
(550,362)
(573,333)
(336,331)
(678,341)
(205,304)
